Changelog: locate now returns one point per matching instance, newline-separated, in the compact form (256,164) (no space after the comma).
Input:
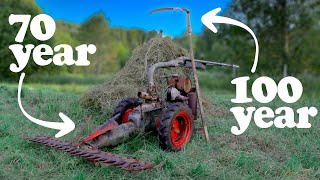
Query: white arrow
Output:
(65,127)
(211,17)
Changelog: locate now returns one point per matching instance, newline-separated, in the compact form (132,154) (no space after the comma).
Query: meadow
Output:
(256,154)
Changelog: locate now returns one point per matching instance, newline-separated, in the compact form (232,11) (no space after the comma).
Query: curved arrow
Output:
(65,127)
(211,17)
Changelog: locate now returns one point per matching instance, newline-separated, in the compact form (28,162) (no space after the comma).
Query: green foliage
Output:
(8,34)
(96,30)
(113,44)
(66,34)
(286,30)
(125,40)
(311,51)
(122,53)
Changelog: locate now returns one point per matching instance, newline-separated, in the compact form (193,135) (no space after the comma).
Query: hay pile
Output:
(132,77)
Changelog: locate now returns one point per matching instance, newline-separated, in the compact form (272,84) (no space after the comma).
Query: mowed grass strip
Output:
(258,153)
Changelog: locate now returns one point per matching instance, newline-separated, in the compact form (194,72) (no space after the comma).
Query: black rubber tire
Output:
(169,114)
(123,106)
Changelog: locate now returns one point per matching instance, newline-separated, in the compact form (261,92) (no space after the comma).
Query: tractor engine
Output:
(133,115)
(179,90)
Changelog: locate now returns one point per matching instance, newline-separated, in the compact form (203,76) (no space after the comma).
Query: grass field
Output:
(258,153)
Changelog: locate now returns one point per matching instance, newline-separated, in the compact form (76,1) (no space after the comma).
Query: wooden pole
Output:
(195,76)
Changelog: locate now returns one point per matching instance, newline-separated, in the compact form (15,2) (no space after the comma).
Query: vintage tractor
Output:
(172,116)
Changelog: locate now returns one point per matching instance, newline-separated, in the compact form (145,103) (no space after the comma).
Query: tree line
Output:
(288,32)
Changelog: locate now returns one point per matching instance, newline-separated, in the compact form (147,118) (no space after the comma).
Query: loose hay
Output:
(132,77)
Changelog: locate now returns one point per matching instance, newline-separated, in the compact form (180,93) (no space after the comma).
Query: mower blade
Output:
(95,156)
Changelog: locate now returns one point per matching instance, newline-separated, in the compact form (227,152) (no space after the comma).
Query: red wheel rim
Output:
(180,129)
(126,114)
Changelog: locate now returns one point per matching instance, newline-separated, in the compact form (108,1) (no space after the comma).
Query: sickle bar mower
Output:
(172,117)
(94,155)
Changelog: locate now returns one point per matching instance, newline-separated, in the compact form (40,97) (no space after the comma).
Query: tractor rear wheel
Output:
(176,127)
(124,108)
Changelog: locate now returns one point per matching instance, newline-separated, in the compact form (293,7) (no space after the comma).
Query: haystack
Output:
(132,77)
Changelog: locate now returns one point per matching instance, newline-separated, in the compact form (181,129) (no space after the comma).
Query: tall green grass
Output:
(256,154)
(76,83)
(81,79)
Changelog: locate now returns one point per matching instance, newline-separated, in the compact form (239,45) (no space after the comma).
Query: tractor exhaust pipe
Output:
(192,103)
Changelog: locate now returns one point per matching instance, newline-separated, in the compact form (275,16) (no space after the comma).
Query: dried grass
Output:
(132,77)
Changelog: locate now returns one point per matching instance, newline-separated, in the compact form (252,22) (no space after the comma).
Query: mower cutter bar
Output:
(94,155)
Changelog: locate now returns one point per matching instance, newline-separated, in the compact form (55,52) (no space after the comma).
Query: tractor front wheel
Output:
(124,108)
(176,127)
